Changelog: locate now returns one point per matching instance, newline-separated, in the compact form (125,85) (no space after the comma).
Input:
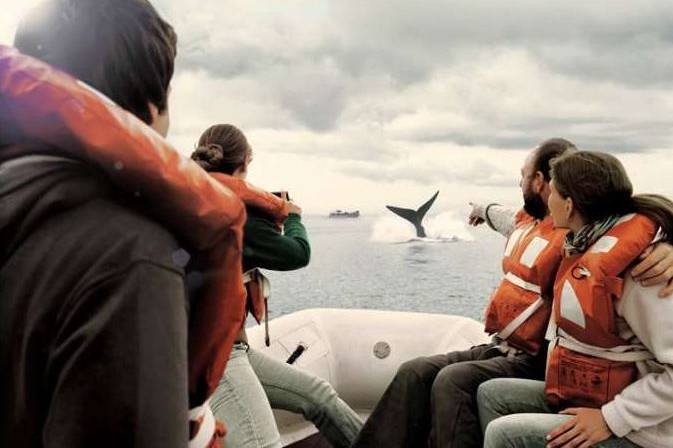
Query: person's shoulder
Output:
(67,215)
(258,219)
(258,215)
(127,231)
(521,218)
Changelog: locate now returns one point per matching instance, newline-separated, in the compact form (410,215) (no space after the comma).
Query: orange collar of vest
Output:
(254,196)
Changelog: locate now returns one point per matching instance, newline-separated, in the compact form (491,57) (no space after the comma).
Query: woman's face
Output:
(559,208)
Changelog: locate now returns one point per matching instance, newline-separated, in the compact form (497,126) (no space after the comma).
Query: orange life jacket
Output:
(256,284)
(588,362)
(40,104)
(519,309)
(252,196)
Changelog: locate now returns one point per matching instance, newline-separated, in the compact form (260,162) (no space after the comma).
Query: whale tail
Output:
(415,216)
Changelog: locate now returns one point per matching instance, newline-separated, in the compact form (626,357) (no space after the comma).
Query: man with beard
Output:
(433,398)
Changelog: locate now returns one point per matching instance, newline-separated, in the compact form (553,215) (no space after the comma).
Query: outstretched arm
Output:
(499,218)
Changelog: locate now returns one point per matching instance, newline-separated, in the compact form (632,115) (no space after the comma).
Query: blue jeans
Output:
(514,414)
(254,383)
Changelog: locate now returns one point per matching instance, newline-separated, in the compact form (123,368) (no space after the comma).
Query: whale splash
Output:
(446,227)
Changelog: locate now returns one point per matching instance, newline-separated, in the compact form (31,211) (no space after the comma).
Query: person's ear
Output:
(154,113)
(569,208)
(538,182)
(160,120)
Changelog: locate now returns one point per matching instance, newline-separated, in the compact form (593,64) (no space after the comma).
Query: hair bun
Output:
(209,156)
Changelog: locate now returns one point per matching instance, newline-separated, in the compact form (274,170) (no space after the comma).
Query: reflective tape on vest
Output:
(521,318)
(625,353)
(533,250)
(206,432)
(571,309)
(523,284)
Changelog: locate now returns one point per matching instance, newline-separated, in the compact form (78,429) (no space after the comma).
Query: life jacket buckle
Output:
(580,272)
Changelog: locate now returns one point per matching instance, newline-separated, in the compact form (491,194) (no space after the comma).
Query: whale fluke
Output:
(415,216)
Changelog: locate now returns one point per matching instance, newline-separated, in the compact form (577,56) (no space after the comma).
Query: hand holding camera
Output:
(292,207)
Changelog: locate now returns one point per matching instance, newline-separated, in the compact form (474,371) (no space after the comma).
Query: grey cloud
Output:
(391,45)
(480,173)
(597,134)
(621,42)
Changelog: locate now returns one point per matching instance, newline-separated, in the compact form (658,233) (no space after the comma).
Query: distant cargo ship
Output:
(345,214)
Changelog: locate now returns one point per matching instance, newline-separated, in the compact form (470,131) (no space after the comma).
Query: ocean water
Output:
(376,263)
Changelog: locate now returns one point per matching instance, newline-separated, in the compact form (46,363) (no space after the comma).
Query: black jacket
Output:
(93,314)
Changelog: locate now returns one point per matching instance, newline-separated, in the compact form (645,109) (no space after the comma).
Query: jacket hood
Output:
(33,188)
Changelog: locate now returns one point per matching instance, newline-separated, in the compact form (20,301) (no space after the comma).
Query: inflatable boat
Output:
(358,352)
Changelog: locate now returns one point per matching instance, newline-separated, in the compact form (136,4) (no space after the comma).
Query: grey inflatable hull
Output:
(358,352)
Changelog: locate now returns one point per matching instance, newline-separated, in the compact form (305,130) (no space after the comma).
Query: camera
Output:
(280,194)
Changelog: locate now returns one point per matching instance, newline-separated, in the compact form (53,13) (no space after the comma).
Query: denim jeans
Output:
(254,383)
(513,414)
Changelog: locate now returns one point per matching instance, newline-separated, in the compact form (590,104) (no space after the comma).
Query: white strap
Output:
(521,283)
(256,275)
(506,349)
(206,432)
(626,353)
(250,275)
(520,319)
(526,231)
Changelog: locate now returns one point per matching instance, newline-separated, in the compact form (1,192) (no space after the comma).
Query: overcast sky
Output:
(358,104)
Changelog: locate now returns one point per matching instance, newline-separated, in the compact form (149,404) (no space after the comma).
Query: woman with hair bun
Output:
(610,363)
(253,383)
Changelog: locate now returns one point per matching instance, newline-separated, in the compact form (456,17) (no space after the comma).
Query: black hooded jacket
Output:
(93,314)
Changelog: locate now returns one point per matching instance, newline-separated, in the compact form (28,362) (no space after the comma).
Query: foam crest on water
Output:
(446,226)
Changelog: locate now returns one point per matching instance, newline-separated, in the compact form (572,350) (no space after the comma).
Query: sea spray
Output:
(446,226)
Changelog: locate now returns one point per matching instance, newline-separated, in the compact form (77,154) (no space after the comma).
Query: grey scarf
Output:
(579,242)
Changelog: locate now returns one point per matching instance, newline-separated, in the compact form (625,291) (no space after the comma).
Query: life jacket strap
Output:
(503,347)
(625,353)
(206,426)
(521,318)
(521,283)
(262,282)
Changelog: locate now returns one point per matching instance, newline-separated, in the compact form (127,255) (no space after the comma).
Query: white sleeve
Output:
(499,218)
(648,401)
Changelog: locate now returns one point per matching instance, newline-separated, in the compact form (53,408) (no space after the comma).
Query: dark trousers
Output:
(433,399)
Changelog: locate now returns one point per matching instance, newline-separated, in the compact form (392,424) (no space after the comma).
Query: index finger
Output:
(561,429)
(665,292)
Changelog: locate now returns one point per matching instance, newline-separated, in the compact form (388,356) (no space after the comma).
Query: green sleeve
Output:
(265,247)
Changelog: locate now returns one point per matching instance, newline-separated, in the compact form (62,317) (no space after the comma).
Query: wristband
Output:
(486,218)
